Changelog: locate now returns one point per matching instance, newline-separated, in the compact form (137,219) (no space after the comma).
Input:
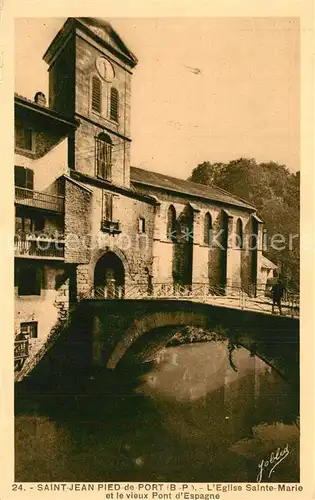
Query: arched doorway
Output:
(109,276)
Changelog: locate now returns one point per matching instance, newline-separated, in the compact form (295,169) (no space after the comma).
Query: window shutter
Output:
(103,156)
(19,136)
(19,176)
(23,137)
(114,103)
(29,179)
(28,139)
(96,94)
(108,206)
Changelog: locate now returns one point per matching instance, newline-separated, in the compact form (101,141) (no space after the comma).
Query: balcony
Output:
(21,352)
(109,226)
(37,199)
(34,246)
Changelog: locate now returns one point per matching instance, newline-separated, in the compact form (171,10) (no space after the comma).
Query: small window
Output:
(23,138)
(96,94)
(29,280)
(239,234)
(207,229)
(103,156)
(107,206)
(171,224)
(29,329)
(114,104)
(141,225)
(23,177)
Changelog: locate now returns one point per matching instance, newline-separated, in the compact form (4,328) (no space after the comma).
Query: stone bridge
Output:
(110,332)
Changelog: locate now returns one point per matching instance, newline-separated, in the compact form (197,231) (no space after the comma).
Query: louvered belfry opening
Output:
(103,156)
(114,104)
(96,94)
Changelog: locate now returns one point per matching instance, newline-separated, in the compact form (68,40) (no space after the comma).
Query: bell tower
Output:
(90,70)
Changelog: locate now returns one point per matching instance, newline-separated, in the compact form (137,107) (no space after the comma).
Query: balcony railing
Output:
(38,199)
(21,351)
(33,246)
(109,226)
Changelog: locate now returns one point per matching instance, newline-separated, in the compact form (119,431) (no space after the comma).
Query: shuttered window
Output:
(107,206)
(103,156)
(114,104)
(96,94)
(29,329)
(23,177)
(23,138)
(29,280)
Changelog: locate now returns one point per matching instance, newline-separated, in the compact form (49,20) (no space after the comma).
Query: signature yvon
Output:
(273,461)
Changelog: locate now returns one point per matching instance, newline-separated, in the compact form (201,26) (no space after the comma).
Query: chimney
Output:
(40,98)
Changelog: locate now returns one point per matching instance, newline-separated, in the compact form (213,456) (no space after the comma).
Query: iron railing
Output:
(32,245)
(21,352)
(37,199)
(251,298)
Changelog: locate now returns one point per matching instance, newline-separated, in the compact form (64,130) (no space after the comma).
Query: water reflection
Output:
(189,417)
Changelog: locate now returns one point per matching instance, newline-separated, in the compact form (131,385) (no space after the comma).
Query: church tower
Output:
(90,71)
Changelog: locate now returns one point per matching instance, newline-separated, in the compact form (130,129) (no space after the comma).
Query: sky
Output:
(205,89)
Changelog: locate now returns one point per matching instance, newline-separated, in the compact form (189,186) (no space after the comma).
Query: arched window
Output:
(114,104)
(103,156)
(207,229)
(171,223)
(239,234)
(96,94)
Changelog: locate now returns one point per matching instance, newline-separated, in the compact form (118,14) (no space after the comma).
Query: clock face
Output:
(105,69)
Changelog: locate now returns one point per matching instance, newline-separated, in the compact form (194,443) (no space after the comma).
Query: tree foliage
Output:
(275,192)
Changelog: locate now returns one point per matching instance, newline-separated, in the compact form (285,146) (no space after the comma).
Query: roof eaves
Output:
(82,186)
(200,196)
(25,102)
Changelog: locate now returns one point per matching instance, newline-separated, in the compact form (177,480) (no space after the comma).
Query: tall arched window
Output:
(239,234)
(114,104)
(207,229)
(103,156)
(96,94)
(171,223)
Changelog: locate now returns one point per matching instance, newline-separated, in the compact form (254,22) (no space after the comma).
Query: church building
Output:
(88,224)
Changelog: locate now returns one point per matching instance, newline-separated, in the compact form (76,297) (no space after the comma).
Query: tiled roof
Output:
(166,182)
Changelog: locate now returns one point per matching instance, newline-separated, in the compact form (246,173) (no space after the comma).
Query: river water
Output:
(188,416)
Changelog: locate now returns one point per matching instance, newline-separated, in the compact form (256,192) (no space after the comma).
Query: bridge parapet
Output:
(254,297)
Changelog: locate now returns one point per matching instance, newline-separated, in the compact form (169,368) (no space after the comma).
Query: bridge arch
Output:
(153,321)
(275,340)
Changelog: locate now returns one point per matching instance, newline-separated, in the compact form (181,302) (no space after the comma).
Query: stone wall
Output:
(86,56)
(85,153)
(61,81)
(131,246)
(208,261)
(78,215)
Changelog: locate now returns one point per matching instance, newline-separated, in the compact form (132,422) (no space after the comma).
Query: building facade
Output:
(90,224)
